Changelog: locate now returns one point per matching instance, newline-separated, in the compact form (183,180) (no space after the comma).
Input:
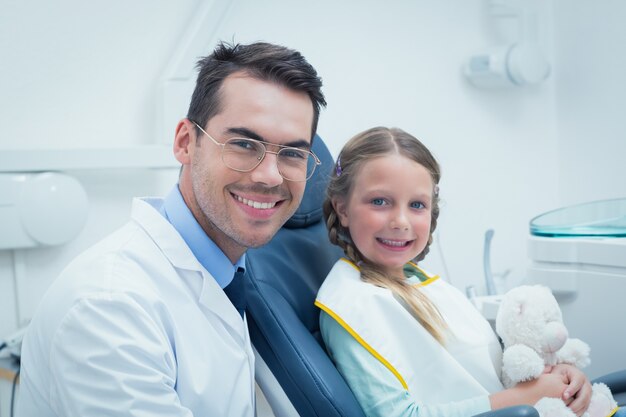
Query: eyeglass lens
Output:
(245,154)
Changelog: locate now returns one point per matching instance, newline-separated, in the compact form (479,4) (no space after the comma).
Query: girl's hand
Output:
(545,385)
(529,392)
(577,395)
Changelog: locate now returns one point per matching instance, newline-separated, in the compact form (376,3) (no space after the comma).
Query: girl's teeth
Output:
(393,242)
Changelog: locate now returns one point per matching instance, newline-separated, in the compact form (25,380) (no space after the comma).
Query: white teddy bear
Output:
(530,324)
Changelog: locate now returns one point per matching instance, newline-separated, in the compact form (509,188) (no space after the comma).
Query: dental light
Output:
(518,64)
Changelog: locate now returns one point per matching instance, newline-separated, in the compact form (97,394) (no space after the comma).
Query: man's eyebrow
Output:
(250,134)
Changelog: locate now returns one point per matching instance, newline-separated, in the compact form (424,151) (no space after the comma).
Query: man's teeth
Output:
(393,242)
(255,204)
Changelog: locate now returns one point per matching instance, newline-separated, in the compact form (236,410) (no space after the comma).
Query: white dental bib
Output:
(469,364)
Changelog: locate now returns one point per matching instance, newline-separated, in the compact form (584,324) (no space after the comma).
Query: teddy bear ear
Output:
(544,289)
(545,293)
(519,300)
(515,301)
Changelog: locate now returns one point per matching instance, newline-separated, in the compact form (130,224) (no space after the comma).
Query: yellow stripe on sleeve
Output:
(363,343)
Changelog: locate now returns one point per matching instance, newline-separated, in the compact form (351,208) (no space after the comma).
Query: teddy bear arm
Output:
(521,363)
(574,352)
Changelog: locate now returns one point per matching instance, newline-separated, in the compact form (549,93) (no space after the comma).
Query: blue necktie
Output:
(236,291)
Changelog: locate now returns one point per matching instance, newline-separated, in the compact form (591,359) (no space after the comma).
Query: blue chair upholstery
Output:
(284,277)
(282,281)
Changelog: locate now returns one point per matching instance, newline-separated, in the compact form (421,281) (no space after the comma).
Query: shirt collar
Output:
(204,249)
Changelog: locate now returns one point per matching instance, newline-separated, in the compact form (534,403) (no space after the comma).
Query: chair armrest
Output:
(616,381)
(515,411)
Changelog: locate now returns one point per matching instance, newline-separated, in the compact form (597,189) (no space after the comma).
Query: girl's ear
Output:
(340,206)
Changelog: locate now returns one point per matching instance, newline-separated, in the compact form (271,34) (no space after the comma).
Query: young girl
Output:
(406,342)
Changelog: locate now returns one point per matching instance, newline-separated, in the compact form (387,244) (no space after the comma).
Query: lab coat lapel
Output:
(173,246)
(164,234)
(213,298)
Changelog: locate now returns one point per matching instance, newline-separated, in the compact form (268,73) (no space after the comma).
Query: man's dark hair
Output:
(263,61)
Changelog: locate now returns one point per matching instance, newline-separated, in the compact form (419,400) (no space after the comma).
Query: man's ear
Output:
(340,206)
(184,141)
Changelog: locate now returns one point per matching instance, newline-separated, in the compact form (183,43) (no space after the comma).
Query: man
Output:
(140,324)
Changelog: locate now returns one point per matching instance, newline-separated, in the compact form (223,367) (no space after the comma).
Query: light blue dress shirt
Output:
(204,249)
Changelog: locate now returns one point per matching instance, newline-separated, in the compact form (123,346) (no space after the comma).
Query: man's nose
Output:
(267,172)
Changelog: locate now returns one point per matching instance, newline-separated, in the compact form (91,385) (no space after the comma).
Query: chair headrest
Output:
(310,210)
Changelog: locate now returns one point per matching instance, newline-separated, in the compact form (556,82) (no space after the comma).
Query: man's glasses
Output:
(244,154)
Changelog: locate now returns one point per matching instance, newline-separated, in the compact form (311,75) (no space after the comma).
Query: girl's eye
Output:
(417,205)
(378,202)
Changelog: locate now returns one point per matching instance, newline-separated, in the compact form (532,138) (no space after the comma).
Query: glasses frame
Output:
(316,160)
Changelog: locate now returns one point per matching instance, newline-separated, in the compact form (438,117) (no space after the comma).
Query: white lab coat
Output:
(135,326)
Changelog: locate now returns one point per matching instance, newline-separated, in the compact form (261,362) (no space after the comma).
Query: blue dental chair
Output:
(282,282)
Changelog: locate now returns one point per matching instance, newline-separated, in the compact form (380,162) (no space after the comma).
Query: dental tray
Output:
(604,218)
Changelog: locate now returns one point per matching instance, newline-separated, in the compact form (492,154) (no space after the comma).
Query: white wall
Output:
(77,74)
(399,64)
(591,99)
(88,74)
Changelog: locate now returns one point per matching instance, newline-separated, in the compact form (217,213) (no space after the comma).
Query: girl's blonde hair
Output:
(365,146)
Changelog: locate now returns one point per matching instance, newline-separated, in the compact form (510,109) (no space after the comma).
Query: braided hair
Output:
(363,147)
